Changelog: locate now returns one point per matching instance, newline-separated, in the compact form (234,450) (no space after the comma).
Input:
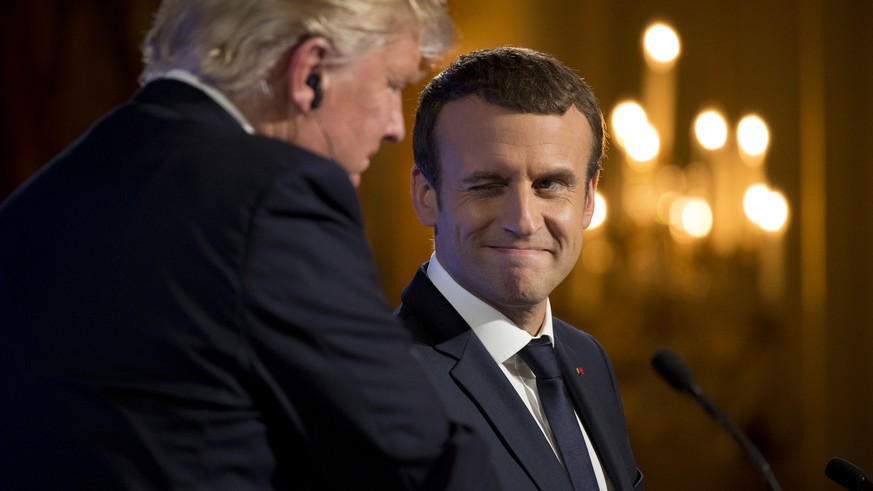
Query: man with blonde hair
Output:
(187,300)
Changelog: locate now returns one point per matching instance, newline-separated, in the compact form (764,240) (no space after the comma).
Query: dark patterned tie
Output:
(540,357)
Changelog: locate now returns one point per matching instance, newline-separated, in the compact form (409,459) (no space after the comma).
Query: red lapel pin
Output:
(579,371)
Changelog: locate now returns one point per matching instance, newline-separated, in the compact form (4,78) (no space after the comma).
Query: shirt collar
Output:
(189,78)
(502,337)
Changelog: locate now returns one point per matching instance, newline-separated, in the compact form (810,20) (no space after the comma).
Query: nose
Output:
(522,213)
(395,127)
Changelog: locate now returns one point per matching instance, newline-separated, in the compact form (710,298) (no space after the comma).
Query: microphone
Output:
(674,371)
(847,475)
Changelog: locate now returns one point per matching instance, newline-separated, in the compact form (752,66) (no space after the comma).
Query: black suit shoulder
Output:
(211,293)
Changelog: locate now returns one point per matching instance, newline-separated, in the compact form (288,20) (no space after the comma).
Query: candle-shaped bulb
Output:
(662,46)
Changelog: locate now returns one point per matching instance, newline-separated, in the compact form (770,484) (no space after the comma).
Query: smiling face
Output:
(513,202)
(363,103)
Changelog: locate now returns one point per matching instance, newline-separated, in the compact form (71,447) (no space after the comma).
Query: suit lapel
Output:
(482,380)
(592,415)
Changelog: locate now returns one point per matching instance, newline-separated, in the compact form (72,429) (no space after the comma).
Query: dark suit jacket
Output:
(185,305)
(477,392)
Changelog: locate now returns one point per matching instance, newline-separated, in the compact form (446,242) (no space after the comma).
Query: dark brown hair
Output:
(517,79)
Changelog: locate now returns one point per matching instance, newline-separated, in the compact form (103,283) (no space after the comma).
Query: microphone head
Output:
(674,371)
(846,474)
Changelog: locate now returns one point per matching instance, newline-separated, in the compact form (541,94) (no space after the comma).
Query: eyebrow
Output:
(563,174)
(480,176)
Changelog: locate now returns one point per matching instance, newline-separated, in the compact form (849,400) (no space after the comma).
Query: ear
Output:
(588,212)
(424,198)
(306,59)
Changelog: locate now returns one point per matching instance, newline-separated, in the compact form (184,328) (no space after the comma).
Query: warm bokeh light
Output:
(753,135)
(627,119)
(632,130)
(766,208)
(711,129)
(691,217)
(643,146)
(662,46)
(599,211)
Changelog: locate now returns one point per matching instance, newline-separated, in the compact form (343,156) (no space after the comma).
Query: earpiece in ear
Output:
(314,81)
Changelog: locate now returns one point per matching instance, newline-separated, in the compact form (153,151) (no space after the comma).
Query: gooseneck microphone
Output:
(847,475)
(674,371)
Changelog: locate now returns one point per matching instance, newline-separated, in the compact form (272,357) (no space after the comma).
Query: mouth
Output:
(521,251)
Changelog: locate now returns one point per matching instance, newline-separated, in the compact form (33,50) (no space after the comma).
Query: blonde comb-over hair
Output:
(234,44)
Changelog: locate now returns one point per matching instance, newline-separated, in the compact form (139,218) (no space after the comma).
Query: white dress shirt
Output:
(503,339)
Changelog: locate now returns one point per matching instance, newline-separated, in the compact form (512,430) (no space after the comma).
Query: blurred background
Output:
(767,294)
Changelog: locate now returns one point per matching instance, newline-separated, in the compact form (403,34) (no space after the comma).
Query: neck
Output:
(303,130)
(528,318)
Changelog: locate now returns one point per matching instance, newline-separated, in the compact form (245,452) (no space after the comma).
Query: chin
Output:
(516,293)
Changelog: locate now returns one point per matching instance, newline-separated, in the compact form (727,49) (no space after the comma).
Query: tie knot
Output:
(540,357)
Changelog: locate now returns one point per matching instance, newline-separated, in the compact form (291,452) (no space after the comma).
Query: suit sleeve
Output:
(340,368)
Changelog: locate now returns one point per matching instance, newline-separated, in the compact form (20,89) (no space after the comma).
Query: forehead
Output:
(472,134)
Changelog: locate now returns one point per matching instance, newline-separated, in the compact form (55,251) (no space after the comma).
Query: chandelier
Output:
(719,201)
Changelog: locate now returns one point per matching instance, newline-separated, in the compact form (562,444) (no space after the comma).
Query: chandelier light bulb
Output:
(662,45)
(644,144)
(753,135)
(711,129)
(766,208)
(628,118)
(691,217)
(697,217)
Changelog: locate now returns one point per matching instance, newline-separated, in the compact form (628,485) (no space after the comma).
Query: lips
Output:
(520,251)
(517,248)
(500,244)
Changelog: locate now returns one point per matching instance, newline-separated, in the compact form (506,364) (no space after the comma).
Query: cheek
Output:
(469,220)
(566,225)
(361,106)
(372,119)
(378,103)
(453,229)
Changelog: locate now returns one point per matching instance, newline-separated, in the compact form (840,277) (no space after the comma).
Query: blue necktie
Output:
(540,357)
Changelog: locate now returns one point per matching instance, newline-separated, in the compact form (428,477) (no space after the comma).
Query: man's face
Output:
(512,200)
(363,104)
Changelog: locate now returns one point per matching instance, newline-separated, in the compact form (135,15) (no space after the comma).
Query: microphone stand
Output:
(676,373)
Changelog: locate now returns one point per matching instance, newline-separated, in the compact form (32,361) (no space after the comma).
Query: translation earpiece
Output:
(314,81)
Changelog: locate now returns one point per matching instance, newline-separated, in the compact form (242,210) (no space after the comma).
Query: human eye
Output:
(550,185)
(396,85)
(554,184)
(400,80)
(484,187)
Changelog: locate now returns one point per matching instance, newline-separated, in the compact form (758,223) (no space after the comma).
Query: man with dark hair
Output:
(508,145)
